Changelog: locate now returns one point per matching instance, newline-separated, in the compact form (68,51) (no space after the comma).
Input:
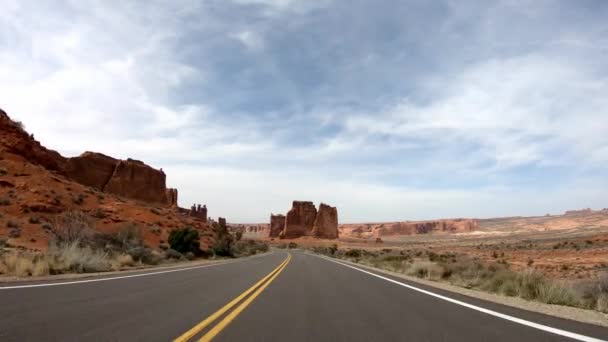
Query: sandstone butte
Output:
(277,224)
(304,220)
(36,181)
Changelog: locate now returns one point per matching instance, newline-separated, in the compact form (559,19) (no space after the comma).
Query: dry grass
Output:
(490,277)
(64,258)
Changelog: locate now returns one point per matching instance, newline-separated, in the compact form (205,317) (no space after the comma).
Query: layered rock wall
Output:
(304,220)
(326,222)
(299,220)
(277,224)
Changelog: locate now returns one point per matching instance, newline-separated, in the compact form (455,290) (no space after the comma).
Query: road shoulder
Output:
(566,312)
(10,280)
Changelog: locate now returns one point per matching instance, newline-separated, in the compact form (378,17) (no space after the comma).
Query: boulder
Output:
(277,224)
(326,222)
(299,220)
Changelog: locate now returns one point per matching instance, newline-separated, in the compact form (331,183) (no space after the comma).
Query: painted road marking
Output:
(260,286)
(477,308)
(126,276)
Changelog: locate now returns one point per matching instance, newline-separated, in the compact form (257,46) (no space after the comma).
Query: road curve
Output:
(269,298)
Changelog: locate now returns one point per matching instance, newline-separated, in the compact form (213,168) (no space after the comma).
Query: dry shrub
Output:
(72,226)
(426,270)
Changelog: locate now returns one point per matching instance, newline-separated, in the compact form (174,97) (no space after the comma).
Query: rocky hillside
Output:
(38,184)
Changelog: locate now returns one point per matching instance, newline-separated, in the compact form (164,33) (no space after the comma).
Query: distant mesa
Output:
(368,230)
(304,220)
(585,211)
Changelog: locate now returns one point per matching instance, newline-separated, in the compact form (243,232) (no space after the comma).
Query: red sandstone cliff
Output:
(299,220)
(277,224)
(326,222)
(304,220)
(131,179)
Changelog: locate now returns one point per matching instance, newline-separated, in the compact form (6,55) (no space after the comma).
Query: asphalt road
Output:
(298,298)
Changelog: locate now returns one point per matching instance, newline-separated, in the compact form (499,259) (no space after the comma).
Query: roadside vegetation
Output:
(470,273)
(76,247)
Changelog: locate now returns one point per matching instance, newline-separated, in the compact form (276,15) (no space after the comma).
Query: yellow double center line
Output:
(256,289)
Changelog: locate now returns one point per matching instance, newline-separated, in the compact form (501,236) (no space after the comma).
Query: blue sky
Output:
(390,110)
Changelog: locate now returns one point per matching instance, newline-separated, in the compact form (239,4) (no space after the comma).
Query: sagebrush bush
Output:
(72,226)
(248,247)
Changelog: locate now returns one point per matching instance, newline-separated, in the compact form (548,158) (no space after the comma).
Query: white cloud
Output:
(103,81)
(250,39)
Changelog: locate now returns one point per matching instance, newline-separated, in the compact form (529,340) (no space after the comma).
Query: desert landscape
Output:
(95,213)
(565,256)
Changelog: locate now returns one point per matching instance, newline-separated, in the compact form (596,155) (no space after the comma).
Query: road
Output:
(298,297)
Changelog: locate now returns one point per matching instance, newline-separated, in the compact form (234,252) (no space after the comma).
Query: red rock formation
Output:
(14,139)
(198,211)
(277,224)
(326,222)
(171,195)
(91,169)
(134,179)
(130,178)
(299,220)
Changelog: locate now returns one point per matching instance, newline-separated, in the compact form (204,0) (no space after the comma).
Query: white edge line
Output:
(126,276)
(474,307)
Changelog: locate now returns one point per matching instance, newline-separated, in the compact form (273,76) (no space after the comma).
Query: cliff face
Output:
(128,178)
(277,224)
(304,220)
(326,222)
(91,169)
(299,220)
(134,179)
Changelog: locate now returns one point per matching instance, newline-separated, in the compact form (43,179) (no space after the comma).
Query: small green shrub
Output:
(292,245)
(185,240)
(34,220)
(3,171)
(5,201)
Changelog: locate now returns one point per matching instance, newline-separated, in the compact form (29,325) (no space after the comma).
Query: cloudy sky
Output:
(387,109)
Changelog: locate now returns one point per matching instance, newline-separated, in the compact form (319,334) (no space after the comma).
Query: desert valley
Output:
(94,213)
